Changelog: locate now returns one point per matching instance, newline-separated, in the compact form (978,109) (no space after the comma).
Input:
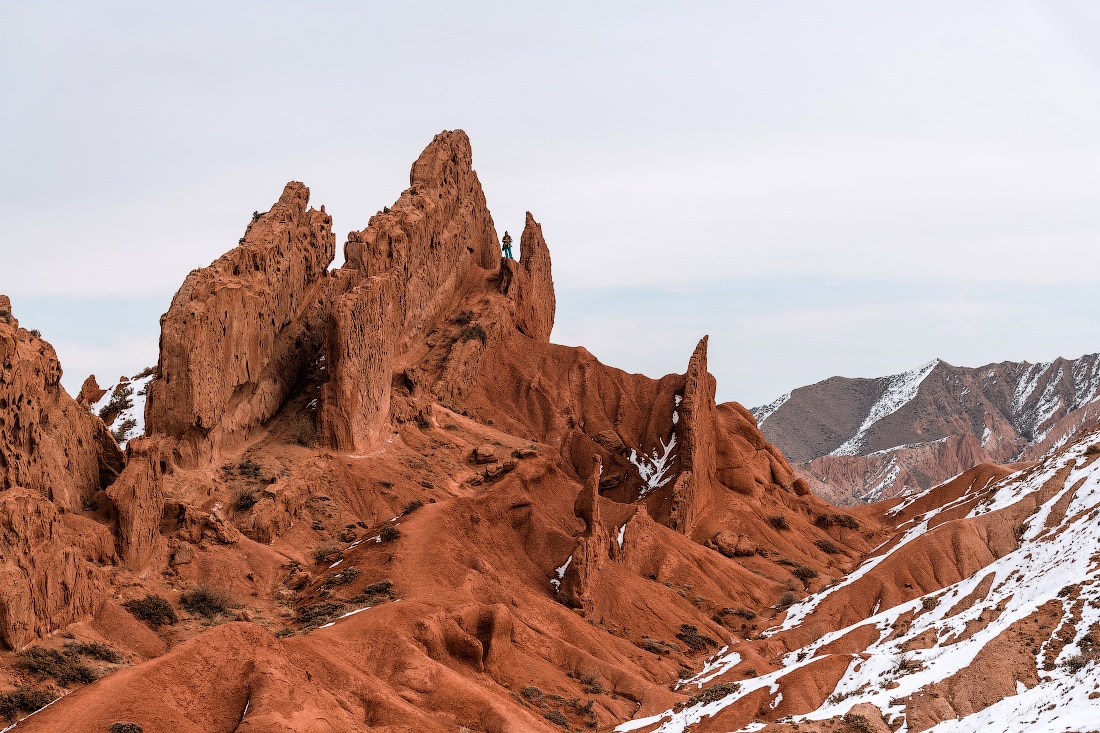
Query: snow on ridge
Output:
(1048,561)
(763,412)
(887,477)
(900,390)
(1026,384)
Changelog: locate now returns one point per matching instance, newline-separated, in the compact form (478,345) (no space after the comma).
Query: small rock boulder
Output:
(732,544)
(609,439)
(485,454)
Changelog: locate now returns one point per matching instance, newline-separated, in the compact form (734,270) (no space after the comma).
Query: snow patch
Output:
(763,412)
(900,389)
(560,573)
(654,468)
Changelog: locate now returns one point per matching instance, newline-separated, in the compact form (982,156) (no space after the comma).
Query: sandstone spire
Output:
(230,346)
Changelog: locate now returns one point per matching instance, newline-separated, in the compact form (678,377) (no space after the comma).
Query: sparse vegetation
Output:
(121,399)
(245,499)
(412,506)
(779,522)
(1093,450)
(690,635)
(786,600)
(249,469)
(474,331)
(5,315)
(205,601)
(66,669)
(464,317)
(804,573)
(742,612)
(715,692)
(557,717)
(94,650)
(344,577)
(389,533)
(146,372)
(828,547)
(656,646)
(36,333)
(153,610)
(1075,664)
(929,602)
(327,553)
(24,700)
(122,432)
(375,593)
(125,727)
(858,722)
(320,613)
(1020,530)
(841,520)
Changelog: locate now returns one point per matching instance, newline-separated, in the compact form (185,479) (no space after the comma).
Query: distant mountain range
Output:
(860,440)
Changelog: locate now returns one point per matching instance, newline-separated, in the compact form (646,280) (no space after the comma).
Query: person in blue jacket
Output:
(506,245)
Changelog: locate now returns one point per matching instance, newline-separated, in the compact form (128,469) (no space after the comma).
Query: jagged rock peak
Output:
(530,282)
(48,443)
(441,214)
(228,332)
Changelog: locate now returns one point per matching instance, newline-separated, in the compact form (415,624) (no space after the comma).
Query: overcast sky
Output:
(845,188)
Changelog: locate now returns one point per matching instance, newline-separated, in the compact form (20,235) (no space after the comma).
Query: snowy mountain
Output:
(983,614)
(859,440)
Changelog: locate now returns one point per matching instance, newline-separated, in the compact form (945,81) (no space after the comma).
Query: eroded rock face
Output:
(45,579)
(402,271)
(530,284)
(231,348)
(48,443)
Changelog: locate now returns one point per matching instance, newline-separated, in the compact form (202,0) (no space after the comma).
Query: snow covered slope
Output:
(122,407)
(861,440)
(1001,632)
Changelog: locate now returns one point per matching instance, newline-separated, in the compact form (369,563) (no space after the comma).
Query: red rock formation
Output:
(401,272)
(90,392)
(530,284)
(232,341)
(47,577)
(48,443)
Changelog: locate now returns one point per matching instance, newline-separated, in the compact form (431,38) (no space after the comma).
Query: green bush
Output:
(153,610)
(205,601)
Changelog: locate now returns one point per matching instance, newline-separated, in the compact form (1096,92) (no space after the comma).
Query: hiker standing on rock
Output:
(506,245)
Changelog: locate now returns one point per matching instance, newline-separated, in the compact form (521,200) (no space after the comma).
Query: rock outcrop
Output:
(402,271)
(530,284)
(48,443)
(47,573)
(236,340)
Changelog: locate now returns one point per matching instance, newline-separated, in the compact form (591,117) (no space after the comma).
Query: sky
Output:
(845,188)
